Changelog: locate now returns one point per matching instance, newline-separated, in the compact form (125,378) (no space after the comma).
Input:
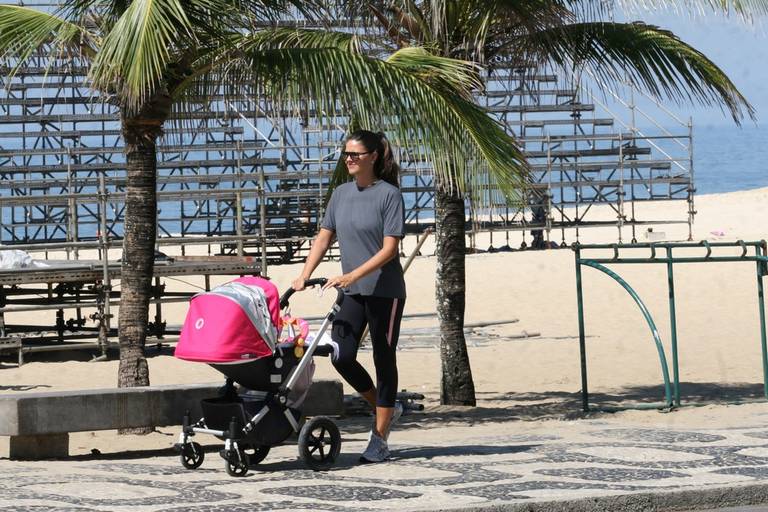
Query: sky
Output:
(738,48)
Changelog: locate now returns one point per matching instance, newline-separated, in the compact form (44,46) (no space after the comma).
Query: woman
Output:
(367,216)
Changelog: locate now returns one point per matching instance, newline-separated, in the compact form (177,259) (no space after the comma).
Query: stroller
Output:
(235,329)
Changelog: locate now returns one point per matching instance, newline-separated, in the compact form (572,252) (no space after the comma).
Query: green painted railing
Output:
(672,397)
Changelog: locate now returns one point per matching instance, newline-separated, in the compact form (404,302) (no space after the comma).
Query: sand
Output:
(538,377)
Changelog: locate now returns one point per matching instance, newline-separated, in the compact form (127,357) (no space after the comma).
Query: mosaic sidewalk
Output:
(543,465)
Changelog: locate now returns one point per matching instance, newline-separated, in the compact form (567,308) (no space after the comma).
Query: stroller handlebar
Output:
(309,283)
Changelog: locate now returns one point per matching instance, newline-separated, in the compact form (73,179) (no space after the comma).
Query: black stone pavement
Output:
(441,461)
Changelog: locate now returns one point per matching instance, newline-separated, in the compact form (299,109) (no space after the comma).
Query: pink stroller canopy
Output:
(235,322)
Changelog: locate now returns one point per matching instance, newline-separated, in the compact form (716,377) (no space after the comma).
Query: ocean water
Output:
(728,158)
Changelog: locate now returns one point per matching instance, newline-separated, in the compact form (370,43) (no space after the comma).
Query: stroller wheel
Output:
(256,453)
(192,455)
(236,462)
(319,443)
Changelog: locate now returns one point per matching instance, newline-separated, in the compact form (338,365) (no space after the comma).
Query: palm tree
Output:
(571,35)
(150,58)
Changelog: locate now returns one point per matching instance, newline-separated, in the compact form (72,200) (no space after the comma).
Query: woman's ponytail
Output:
(388,169)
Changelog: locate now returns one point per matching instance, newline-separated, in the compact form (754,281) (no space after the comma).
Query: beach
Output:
(533,378)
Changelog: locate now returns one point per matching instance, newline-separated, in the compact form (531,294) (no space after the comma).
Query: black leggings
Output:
(382,315)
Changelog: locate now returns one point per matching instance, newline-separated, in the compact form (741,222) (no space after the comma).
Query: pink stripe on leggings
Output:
(392,321)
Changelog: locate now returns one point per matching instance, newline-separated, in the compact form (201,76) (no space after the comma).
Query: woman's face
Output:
(360,160)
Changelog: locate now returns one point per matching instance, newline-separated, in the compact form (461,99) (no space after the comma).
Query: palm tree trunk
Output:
(138,260)
(457,387)
(140,133)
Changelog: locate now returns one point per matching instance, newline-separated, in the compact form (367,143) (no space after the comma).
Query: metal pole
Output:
(548,209)
(72,205)
(419,243)
(263,220)
(107,285)
(633,131)
(582,340)
(620,192)
(239,200)
(761,305)
(239,221)
(673,326)
(648,319)
(159,330)
(692,185)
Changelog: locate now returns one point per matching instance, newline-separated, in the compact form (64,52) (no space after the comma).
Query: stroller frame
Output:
(239,435)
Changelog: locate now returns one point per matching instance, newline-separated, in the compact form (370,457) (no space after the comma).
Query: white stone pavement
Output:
(441,461)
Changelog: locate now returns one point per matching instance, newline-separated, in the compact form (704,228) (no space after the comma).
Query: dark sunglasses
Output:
(353,155)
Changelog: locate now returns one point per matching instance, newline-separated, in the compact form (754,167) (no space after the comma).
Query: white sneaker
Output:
(398,411)
(377,450)
(395,416)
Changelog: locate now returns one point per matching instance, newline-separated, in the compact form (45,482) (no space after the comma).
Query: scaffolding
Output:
(244,178)
(583,154)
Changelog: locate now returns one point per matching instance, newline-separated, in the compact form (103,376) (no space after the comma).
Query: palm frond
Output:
(137,51)
(25,31)
(107,12)
(411,19)
(648,57)
(310,10)
(403,20)
(208,73)
(450,75)
(473,29)
(742,7)
(746,9)
(532,15)
(275,38)
(456,136)
(592,10)
(389,27)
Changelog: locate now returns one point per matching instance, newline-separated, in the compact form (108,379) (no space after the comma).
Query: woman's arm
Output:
(387,252)
(319,247)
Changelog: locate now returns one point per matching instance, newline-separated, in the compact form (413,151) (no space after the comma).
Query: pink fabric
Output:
(300,329)
(217,330)
(392,321)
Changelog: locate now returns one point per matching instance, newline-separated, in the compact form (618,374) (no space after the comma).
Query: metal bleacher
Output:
(251,179)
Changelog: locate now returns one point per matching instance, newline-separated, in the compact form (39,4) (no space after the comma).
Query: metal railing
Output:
(671,390)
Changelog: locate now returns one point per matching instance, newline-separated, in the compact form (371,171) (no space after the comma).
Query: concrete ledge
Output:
(38,423)
(325,398)
(42,446)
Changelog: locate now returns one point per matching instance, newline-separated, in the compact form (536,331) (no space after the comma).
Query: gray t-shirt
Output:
(361,218)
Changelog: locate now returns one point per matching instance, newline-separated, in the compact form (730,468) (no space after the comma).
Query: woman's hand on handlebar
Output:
(343,281)
(298,284)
